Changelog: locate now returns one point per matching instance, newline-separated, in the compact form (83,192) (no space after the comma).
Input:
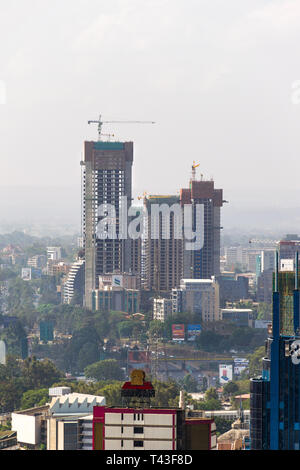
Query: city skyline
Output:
(184,68)
(149,274)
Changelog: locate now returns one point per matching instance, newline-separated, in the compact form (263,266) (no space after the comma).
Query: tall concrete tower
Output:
(162,251)
(107,180)
(205,262)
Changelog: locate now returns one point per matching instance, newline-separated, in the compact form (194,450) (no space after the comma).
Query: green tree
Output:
(11,369)
(20,294)
(39,374)
(10,393)
(166,393)
(208,405)
(83,349)
(244,386)
(230,388)
(33,398)
(11,384)
(189,383)
(264,311)
(211,393)
(88,354)
(223,425)
(156,329)
(255,361)
(13,336)
(112,394)
(209,341)
(7,274)
(107,369)
(125,328)
(48,290)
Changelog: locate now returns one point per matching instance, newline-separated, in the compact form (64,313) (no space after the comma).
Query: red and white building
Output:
(151,429)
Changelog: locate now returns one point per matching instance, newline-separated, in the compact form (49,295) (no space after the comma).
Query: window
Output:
(138,430)
(138,443)
(138,417)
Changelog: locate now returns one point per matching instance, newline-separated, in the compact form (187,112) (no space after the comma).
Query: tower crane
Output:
(100,124)
(194,166)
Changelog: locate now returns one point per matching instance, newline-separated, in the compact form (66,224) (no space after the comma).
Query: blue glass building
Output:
(275,395)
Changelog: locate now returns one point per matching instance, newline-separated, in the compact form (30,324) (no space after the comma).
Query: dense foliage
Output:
(18,377)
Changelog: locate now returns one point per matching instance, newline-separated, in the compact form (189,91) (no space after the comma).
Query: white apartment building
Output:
(128,429)
(162,309)
(74,282)
(53,253)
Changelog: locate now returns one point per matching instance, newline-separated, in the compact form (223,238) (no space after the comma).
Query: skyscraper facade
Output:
(107,182)
(275,395)
(205,262)
(162,251)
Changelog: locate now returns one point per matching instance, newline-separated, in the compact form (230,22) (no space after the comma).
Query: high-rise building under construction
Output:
(162,251)
(204,262)
(107,183)
(169,254)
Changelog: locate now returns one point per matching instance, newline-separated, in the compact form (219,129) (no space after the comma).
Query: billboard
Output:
(178,332)
(193,331)
(225,373)
(26,274)
(46,331)
(117,281)
(36,273)
(240,364)
(287,265)
(137,359)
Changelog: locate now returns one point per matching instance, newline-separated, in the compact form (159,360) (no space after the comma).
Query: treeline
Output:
(18,377)
(241,339)
(25,384)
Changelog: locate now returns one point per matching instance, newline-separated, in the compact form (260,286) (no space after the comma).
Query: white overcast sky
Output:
(217,76)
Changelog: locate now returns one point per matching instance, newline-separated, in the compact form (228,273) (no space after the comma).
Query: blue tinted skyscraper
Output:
(275,396)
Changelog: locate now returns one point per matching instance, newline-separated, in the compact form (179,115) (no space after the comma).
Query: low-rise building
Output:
(55,268)
(30,426)
(116,299)
(238,316)
(65,423)
(68,421)
(229,415)
(37,261)
(151,429)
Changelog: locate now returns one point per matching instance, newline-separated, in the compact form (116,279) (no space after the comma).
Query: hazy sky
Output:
(219,77)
